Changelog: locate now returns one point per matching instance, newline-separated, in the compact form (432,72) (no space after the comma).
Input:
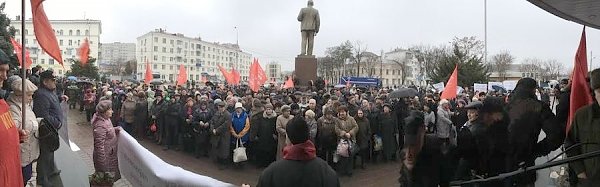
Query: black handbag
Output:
(48,136)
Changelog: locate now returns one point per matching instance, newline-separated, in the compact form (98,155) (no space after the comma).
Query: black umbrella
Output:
(82,82)
(156,82)
(402,93)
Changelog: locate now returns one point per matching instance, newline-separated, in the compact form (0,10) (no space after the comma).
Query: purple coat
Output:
(105,145)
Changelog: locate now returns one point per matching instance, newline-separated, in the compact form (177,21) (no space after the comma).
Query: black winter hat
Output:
(595,79)
(297,130)
(414,122)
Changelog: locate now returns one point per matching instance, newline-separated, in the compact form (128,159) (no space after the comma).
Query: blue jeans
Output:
(27,172)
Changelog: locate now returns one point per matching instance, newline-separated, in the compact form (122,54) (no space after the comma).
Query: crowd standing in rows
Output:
(436,140)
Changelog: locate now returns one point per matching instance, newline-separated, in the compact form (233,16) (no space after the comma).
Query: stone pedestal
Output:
(306,69)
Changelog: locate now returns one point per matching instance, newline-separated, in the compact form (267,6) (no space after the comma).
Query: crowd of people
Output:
(334,130)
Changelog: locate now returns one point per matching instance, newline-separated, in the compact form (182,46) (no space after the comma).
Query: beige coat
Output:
(347,126)
(282,140)
(30,149)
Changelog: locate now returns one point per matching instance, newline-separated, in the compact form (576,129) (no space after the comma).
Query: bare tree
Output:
(402,65)
(552,68)
(532,67)
(359,49)
(428,56)
(501,63)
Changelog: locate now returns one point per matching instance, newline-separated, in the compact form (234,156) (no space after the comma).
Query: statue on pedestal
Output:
(310,22)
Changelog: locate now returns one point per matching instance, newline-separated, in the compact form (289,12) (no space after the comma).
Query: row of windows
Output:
(190,45)
(191,68)
(59,32)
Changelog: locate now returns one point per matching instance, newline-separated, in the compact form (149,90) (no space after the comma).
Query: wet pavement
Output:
(80,133)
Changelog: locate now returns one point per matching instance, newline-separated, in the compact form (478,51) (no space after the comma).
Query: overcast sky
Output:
(268,28)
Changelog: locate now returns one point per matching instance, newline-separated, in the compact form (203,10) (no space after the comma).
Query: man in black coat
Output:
(46,104)
(300,165)
(421,164)
(528,116)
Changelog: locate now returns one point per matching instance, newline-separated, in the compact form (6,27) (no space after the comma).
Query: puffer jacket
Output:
(105,145)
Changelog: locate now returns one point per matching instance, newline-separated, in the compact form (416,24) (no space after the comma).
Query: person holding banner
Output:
(105,140)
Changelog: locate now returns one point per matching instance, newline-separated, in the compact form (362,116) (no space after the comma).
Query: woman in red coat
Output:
(105,139)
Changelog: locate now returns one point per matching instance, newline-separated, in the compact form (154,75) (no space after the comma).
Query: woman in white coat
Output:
(30,149)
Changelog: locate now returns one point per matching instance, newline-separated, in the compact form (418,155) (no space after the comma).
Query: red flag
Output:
(18,51)
(226,74)
(262,77)
(149,76)
(43,31)
(84,52)
(235,76)
(254,83)
(182,77)
(450,89)
(580,89)
(289,83)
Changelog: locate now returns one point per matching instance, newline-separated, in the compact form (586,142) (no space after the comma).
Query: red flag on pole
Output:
(580,89)
(148,75)
(262,77)
(226,74)
(289,83)
(18,51)
(236,76)
(254,83)
(84,52)
(182,77)
(450,89)
(43,31)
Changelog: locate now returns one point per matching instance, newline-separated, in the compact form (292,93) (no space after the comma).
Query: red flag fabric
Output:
(262,77)
(450,89)
(43,31)
(18,51)
(84,52)
(254,83)
(149,76)
(182,77)
(580,89)
(289,83)
(226,74)
(10,158)
(235,76)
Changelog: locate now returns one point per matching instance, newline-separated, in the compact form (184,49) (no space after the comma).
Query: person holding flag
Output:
(584,130)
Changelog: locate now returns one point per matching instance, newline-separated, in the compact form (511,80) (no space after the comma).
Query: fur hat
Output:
(103,106)
(297,130)
(257,103)
(595,79)
(285,107)
(268,105)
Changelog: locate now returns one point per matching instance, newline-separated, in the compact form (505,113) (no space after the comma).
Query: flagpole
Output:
(23,60)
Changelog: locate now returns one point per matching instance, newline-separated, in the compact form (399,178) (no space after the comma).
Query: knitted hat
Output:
(17,86)
(297,130)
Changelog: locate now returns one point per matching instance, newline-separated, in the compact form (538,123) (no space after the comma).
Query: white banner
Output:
(509,85)
(490,84)
(142,168)
(480,87)
(439,86)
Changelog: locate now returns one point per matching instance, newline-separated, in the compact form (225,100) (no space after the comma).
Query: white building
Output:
(69,34)
(392,76)
(274,72)
(166,51)
(116,52)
